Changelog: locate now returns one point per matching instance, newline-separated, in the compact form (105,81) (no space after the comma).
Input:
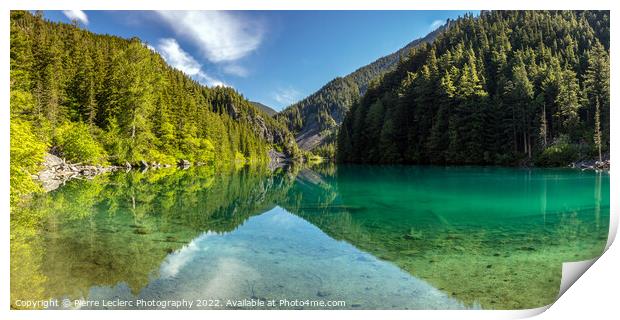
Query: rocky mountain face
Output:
(264,126)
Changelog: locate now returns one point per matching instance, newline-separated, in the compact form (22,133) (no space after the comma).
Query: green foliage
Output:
(326,151)
(198,149)
(107,99)
(76,144)
(493,89)
(26,156)
(558,154)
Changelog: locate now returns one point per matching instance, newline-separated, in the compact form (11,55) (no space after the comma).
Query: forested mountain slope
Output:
(507,87)
(266,109)
(103,99)
(314,120)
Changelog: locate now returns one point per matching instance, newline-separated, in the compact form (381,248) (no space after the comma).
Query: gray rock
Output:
(51,185)
(232,111)
(56,172)
(50,160)
(277,159)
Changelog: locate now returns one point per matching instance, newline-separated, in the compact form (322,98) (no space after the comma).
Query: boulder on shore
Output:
(50,160)
(591,165)
(57,171)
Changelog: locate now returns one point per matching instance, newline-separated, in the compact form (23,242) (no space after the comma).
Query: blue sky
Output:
(274,57)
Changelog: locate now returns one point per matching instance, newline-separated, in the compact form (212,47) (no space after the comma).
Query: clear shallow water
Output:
(374,237)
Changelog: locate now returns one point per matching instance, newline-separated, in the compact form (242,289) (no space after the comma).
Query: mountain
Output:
(507,87)
(266,109)
(100,99)
(315,119)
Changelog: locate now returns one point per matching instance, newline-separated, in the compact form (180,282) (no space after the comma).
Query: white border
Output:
(599,292)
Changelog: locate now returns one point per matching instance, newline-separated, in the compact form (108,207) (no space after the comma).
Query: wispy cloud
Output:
(222,36)
(176,57)
(286,96)
(436,24)
(236,70)
(76,15)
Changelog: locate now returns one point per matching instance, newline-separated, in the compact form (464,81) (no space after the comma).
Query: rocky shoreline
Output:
(591,165)
(56,171)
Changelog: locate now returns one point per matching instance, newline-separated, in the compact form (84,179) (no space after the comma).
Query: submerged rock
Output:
(141,231)
(322,293)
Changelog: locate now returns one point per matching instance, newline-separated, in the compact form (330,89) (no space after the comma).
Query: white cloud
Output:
(236,70)
(436,24)
(222,36)
(76,15)
(176,57)
(286,96)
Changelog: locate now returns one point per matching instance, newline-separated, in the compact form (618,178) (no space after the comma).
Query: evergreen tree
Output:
(597,130)
(507,87)
(99,98)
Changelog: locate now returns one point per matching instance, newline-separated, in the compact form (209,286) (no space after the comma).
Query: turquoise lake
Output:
(367,237)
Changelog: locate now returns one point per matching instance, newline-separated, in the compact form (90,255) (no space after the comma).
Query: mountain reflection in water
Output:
(374,237)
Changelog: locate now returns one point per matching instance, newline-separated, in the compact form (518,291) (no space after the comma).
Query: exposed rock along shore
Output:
(591,165)
(57,171)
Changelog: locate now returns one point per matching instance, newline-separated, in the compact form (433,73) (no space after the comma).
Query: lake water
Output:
(350,237)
